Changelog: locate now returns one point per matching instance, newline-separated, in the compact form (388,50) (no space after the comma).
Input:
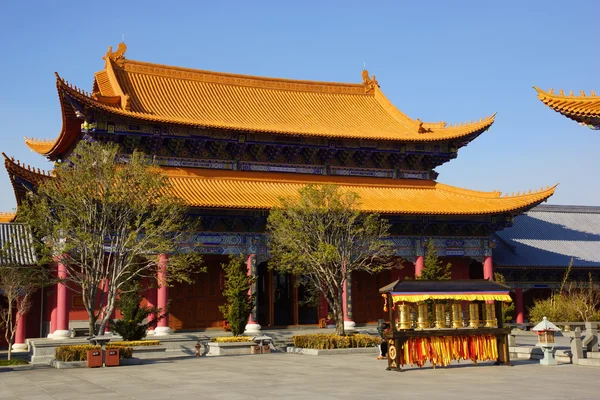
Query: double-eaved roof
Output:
(549,236)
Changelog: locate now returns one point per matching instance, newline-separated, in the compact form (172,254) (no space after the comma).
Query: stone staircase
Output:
(592,359)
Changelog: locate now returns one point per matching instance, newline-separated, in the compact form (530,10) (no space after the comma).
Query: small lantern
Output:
(404,321)
(545,331)
(198,347)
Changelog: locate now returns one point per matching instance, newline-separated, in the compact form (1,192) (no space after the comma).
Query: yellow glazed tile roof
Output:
(173,95)
(6,217)
(578,108)
(255,190)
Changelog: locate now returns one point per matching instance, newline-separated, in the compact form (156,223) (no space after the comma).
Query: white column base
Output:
(349,325)
(50,336)
(162,331)
(20,346)
(60,335)
(150,332)
(252,328)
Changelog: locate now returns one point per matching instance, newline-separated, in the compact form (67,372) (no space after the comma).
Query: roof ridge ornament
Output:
(117,56)
(369,83)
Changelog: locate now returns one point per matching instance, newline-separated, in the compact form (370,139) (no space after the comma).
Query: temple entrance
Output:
(367,303)
(196,305)
(283,299)
(307,305)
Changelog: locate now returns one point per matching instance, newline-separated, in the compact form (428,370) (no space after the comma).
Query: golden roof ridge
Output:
(6,217)
(561,95)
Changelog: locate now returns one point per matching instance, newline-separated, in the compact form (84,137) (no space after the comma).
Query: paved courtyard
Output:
(288,376)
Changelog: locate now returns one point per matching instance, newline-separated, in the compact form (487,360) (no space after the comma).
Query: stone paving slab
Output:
(290,376)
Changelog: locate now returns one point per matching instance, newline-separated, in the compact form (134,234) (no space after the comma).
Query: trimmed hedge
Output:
(135,343)
(74,352)
(231,339)
(326,341)
(79,352)
(14,361)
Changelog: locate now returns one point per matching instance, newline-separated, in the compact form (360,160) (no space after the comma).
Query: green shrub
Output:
(79,352)
(13,361)
(74,352)
(132,326)
(238,305)
(333,341)
(124,351)
(231,339)
(572,302)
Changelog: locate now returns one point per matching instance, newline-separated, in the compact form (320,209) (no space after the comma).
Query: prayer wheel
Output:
(422,318)
(474,315)
(404,321)
(456,316)
(440,316)
(490,316)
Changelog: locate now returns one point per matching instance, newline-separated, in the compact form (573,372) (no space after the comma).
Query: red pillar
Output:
(151,302)
(252,326)
(519,305)
(20,334)
(162,295)
(488,268)
(52,305)
(419,265)
(62,305)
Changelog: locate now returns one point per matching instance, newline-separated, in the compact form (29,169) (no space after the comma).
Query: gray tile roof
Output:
(549,236)
(16,245)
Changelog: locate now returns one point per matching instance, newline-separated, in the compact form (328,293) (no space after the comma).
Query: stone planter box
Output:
(229,349)
(149,352)
(68,364)
(328,352)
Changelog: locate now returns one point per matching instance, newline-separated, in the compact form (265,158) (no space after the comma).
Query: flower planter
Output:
(229,348)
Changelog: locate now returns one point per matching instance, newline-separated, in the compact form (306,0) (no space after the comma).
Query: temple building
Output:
(231,145)
(583,109)
(534,254)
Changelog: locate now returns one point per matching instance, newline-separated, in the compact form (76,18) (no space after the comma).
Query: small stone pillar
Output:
(591,336)
(576,346)
(162,296)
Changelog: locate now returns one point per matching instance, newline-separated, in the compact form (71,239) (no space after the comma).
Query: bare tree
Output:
(324,236)
(18,284)
(106,218)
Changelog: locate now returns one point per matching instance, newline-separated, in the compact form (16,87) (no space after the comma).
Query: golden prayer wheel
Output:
(422,318)
(456,316)
(440,316)
(474,315)
(404,321)
(490,316)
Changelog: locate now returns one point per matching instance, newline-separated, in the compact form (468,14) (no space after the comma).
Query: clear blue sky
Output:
(436,60)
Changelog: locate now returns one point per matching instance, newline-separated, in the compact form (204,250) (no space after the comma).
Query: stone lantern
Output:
(545,331)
